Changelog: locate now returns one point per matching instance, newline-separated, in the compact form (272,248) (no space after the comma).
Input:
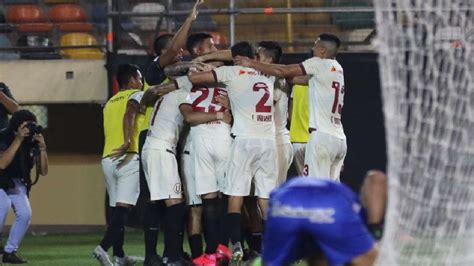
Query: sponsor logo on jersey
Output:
(314,215)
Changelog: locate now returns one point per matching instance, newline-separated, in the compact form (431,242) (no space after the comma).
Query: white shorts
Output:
(324,156)
(188,175)
(210,161)
(161,172)
(251,158)
(284,159)
(299,149)
(123,184)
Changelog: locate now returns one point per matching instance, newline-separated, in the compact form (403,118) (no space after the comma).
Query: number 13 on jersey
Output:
(338,92)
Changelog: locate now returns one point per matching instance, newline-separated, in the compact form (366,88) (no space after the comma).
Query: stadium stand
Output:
(352,20)
(39,47)
(69,18)
(80,39)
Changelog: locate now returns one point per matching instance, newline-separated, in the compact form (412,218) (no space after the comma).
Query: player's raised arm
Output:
(285,71)
(154,92)
(179,40)
(222,55)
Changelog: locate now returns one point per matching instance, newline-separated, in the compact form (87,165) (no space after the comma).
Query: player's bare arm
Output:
(223,55)
(155,92)
(202,77)
(284,71)
(182,68)
(131,112)
(197,118)
(10,104)
(179,40)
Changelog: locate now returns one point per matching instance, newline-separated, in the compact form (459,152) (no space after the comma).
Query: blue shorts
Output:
(307,215)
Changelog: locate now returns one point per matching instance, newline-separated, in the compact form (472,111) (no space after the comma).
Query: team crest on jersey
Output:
(177,188)
(333,69)
(242,72)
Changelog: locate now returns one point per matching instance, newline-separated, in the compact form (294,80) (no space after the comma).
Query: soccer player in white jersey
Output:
(161,167)
(253,154)
(270,52)
(327,146)
(211,142)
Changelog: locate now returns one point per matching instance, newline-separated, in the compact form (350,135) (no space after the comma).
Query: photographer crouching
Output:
(21,147)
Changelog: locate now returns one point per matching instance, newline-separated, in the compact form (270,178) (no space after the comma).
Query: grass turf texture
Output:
(76,249)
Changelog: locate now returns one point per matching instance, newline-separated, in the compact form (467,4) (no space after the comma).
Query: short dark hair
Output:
(125,72)
(328,37)
(196,39)
(243,49)
(161,42)
(19,117)
(273,49)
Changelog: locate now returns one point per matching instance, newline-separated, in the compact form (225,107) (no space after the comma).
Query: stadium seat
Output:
(7,55)
(40,47)
(25,14)
(80,39)
(34,27)
(66,13)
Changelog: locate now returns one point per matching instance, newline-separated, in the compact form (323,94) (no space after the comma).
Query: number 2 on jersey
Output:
(336,106)
(261,107)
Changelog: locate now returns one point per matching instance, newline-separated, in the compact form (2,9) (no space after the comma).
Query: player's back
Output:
(166,120)
(326,95)
(251,98)
(310,214)
(203,99)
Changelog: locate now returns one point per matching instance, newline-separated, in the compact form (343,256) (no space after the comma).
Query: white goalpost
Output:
(426,63)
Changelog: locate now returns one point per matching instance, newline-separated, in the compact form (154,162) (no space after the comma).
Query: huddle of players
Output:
(238,144)
(217,157)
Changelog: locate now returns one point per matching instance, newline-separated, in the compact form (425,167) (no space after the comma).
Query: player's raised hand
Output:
(195,12)
(117,153)
(242,61)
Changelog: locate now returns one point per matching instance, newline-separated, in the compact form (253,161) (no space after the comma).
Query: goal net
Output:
(426,63)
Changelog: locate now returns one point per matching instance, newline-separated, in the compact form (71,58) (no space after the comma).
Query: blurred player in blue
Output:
(309,216)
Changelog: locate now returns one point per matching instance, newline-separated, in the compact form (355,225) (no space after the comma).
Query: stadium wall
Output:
(81,81)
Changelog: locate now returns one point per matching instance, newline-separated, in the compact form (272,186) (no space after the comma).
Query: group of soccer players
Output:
(237,151)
